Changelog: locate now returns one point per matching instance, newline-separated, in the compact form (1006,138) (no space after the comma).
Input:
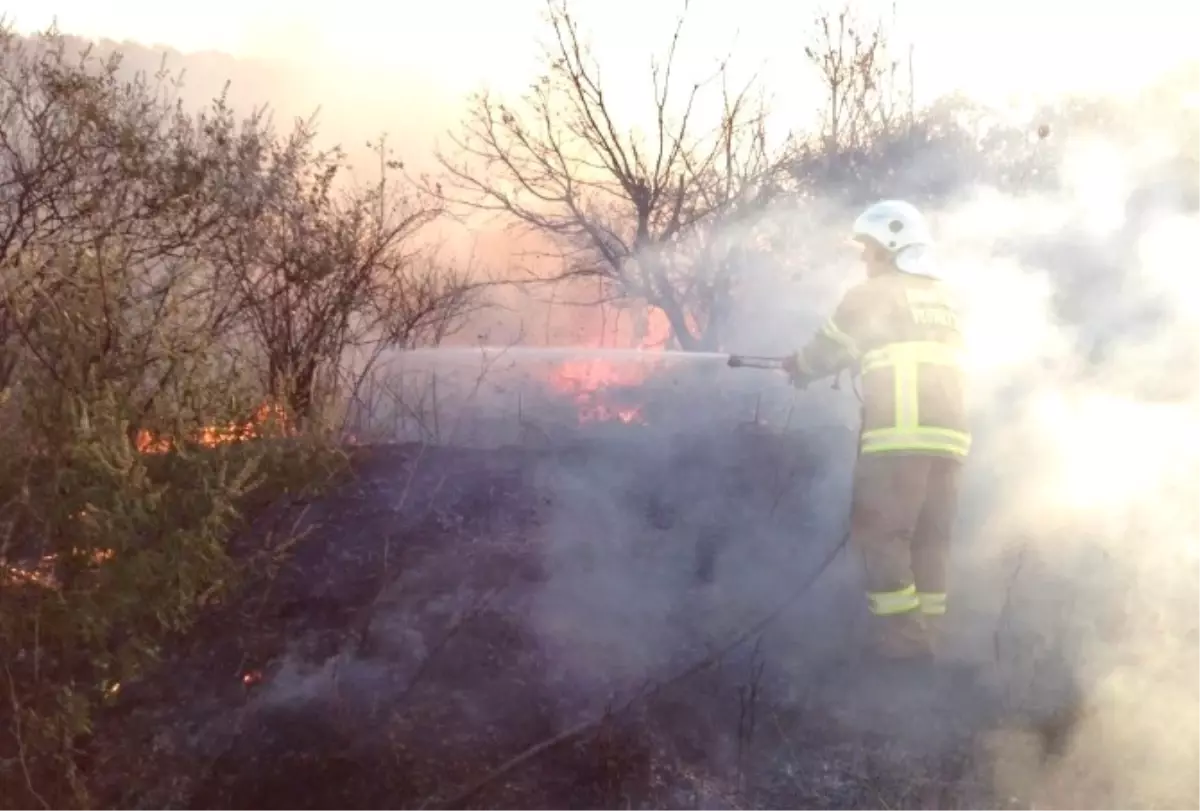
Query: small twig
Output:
(460,622)
(437,428)
(748,710)
(19,736)
(1003,619)
(385,579)
(402,502)
(271,552)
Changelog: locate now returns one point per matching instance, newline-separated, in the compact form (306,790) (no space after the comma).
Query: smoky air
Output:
(473,476)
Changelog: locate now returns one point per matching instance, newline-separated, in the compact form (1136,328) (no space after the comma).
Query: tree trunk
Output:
(679,325)
(302,401)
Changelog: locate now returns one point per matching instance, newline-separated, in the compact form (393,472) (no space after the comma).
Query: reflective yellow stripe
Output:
(886,603)
(912,352)
(936,440)
(905,391)
(933,603)
(831,331)
(906,432)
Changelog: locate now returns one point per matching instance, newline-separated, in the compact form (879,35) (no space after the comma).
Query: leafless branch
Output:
(644,213)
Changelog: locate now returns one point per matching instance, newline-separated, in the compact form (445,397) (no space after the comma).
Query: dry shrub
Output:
(171,284)
(119,491)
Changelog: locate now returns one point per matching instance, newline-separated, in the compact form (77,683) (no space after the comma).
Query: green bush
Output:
(115,512)
(173,285)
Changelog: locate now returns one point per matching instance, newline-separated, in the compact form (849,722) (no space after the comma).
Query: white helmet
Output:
(901,230)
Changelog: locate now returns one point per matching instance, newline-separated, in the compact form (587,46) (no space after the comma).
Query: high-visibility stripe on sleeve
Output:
(887,603)
(932,603)
(928,440)
(831,331)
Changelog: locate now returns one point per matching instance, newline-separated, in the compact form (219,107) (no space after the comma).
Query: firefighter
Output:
(900,330)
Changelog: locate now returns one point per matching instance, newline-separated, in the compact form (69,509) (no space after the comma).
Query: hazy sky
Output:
(991,50)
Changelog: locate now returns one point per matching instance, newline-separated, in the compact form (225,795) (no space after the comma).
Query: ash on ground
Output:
(449,609)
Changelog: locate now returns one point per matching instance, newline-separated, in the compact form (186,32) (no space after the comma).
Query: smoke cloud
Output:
(1075,577)
(1075,586)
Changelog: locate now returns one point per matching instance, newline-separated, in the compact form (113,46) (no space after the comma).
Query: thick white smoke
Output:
(1075,584)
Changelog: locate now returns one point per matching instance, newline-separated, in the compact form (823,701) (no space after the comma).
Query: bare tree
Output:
(867,110)
(323,271)
(141,245)
(111,175)
(861,79)
(110,198)
(657,217)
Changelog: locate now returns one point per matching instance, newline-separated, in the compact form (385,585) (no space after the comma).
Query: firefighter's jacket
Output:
(902,332)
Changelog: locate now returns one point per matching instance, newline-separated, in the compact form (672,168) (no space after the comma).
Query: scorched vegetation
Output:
(214,593)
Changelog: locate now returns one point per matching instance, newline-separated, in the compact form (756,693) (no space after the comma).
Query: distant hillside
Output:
(352,108)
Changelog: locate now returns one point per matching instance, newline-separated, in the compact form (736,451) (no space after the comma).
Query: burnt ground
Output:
(432,624)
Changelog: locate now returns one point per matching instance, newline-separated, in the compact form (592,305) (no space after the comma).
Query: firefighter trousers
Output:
(903,513)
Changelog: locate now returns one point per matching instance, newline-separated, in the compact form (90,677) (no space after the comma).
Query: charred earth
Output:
(507,628)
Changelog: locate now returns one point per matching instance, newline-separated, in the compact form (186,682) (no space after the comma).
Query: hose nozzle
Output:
(754,362)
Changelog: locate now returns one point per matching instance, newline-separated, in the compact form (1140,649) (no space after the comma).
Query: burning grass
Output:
(586,381)
(108,552)
(268,420)
(499,628)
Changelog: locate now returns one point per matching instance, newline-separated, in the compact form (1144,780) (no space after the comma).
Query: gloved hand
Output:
(791,365)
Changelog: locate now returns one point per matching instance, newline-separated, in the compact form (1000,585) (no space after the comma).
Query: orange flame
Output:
(211,436)
(585,380)
(42,574)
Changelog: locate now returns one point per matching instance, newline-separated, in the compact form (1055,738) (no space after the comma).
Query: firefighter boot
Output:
(901,637)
